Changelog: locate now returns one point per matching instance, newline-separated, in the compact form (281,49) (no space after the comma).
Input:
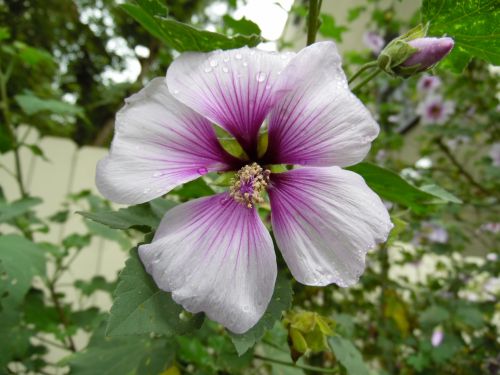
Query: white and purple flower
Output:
(434,110)
(214,253)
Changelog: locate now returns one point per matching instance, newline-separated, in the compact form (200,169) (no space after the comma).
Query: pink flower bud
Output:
(430,51)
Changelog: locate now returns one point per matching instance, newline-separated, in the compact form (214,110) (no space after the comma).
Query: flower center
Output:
(248,185)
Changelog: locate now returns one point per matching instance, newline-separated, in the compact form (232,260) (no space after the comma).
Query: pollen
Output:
(248,185)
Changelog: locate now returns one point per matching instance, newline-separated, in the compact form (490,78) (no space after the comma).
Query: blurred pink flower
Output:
(437,337)
(434,232)
(434,110)
(491,227)
(427,83)
(495,154)
(373,41)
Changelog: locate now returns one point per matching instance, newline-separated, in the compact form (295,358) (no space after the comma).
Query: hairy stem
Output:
(367,79)
(62,315)
(366,66)
(4,77)
(312,21)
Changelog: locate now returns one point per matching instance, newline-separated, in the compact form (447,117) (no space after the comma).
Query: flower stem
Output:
(366,66)
(302,367)
(368,78)
(312,21)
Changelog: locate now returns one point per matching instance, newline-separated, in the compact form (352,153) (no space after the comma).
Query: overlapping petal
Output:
(159,143)
(325,219)
(235,89)
(215,256)
(319,122)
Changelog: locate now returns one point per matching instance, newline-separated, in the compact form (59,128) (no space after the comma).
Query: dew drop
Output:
(226,59)
(202,171)
(157,174)
(175,92)
(238,56)
(284,57)
(245,63)
(146,190)
(246,308)
(225,69)
(207,69)
(260,76)
(214,63)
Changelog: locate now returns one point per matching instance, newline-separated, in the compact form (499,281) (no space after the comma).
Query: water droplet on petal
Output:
(246,308)
(157,174)
(284,56)
(214,63)
(207,69)
(245,63)
(238,56)
(146,190)
(202,171)
(175,92)
(225,69)
(226,59)
(260,76)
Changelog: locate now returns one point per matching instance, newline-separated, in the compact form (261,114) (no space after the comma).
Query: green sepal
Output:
(224,179)
(398,51)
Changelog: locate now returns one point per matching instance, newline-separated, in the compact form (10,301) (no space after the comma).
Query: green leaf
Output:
(89,287)
(33,56)
(472,24)
(31,104)
(440,193)
(469,315)
(142,217)
(6,141)
(179,36)
(12,210)
(347,354)
(119,356)
(330,29)
(241,26)
(21,260)
(389,185)
(280,301)
(140,307)
(193,189)
(434,315)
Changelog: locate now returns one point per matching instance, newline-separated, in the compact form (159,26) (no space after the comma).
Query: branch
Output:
(459,166)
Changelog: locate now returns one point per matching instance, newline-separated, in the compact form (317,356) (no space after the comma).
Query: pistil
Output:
(248,185)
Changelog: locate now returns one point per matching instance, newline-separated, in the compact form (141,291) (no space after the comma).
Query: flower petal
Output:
(215,256)
(325,220)
(319,122)
(159,143)
(235,89)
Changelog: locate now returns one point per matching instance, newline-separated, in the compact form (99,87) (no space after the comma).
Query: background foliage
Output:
(428,302)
